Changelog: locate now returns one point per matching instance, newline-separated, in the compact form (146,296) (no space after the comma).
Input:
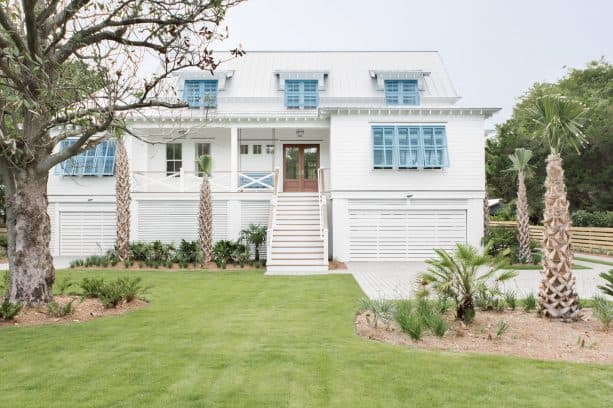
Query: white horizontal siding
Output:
(171,221)
(84,233)
(255,212)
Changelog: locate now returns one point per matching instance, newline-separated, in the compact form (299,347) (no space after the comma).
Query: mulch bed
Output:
(84,310)
(527,336)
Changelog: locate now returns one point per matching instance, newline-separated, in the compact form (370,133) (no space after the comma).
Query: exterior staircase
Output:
(297,234)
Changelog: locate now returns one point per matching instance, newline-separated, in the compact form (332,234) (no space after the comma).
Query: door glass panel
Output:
(292,163)
(310,163)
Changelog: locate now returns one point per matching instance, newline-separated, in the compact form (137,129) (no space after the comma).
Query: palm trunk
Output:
(557,295)
(523,230)
(486,210)
(29,231)
(122,193)
(205,220)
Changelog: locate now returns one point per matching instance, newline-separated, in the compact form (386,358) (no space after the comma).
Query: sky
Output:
(494,50)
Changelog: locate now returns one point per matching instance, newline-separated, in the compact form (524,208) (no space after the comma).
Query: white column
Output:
(234,158)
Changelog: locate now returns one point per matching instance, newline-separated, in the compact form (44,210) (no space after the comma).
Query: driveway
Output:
(397,280)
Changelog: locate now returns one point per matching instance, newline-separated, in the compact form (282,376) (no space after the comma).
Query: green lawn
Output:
(593,260)
(528,267)
(244,339)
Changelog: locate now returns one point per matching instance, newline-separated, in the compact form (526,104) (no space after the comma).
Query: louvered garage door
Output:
(171,221)
(255,212)
(84,233)
(403,234)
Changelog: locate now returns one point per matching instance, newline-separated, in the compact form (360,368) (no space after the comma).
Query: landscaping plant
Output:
(521,168)
(603,310)
(9,310)
(607,288)
(256,235)
(63,285)
(530,302)
(223,252)
(382,310)
(462,274)
(559,121)
(57,310)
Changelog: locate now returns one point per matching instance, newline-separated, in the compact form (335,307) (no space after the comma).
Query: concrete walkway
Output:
(397,280)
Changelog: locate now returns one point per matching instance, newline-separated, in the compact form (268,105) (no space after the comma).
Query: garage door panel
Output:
(403,234)
(84,233)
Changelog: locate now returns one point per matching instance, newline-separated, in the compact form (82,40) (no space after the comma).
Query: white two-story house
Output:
(356,156)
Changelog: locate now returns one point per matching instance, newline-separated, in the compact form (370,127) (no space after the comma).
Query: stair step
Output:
(297,208)
(297,244)
(302,256)
(298,216)
(294,262)
(293,237)
(297,227)
(297,250)
(314,223)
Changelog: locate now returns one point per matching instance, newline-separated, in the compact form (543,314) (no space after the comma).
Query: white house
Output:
(356,156)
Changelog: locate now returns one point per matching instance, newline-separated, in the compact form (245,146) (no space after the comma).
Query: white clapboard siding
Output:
(53,227)
(171,221)
(403,234)
(84,233)
(255,212)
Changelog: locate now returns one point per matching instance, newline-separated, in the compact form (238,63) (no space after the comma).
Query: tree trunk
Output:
(523,229)
(557,296)
(205,220)
(486,211)
(29,231)
(465,310)
(122,193)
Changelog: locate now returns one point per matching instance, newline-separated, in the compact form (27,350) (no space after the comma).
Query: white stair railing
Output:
(272,214)
(323,212)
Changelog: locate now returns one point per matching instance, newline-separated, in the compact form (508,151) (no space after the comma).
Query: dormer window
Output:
(200,93)
(401,92)
(301,94)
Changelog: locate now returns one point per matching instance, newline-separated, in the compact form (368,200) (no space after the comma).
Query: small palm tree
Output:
(205,210)
(559,121)
(463,274)
(521,168)
(255,234)
(122,197)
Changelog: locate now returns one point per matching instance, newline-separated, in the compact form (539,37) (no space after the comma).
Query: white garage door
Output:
(172,221)
(403,234)
(84,233)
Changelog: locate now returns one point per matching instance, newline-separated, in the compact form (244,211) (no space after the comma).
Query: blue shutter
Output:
(301,93)
(409,147)
(401,92)
(200,93)
(383,147)
(99,161)
(292,94)
(435,147)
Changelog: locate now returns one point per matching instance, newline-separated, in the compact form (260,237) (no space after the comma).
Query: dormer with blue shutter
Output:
(200,89)
(301,89)
(400,88)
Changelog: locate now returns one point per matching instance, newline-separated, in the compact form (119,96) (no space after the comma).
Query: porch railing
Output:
(190,181)
(323,211)
(272,213)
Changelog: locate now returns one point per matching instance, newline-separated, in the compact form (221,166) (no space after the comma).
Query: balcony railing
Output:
(186,181)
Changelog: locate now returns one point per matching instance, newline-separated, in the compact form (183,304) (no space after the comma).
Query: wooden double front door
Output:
(300,164)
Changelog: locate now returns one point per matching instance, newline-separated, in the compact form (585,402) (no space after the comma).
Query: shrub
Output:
(223,251)
(381,309)
(159,253)
(603,310)
(256,235)
(602,219)
(187,253)
(501,239)
(241,255)
(130,288)
(92,287)
(530,302)
(489,299)
(5,282)
(511,299)
(62,285)
(111,294)
(411,324)
(607,288)
(460,275)
(438,325)
(9,310)
(501,328)
(414,318)
(57,310)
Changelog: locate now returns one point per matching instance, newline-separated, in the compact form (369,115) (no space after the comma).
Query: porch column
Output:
(234,158)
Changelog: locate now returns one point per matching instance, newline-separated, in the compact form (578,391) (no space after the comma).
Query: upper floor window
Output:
(200,93)
(409,147)
(201,150)
(401,92)
(301,93)
(97,161)
(174,161)
(244,149)
(257,149)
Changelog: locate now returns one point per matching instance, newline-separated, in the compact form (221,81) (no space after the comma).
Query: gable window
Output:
(301,94)
(401,92)
(200,93)
(257,149)
(270,149)
(409,147)
(97,161)
(173,159)
(201,150)
(244,149)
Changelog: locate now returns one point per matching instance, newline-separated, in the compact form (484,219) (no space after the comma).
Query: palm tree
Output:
(461,275)
(205,210)
(521,167)
(122,196)
(256,235)
(559,121)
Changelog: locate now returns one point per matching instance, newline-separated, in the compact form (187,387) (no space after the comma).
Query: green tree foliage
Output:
(588,174)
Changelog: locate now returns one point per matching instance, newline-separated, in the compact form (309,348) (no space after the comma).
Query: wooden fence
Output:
(585,239)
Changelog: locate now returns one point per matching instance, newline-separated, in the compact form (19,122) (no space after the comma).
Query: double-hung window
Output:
(174,160)
(409,147)
(301,94)
(201,150)
(401,92)
(97,161)
(200,93)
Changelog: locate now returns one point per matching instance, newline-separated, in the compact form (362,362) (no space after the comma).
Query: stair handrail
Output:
(323,211)
(271,214)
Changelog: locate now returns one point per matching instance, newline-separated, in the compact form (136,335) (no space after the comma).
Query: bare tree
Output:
(70,69)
